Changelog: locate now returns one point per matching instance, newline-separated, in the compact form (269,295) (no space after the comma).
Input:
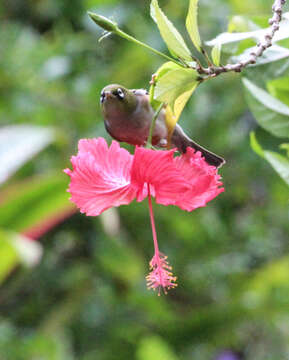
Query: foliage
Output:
(85,298)
(174,85)
(279,163)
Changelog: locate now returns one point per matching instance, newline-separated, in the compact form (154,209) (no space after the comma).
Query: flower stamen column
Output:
(160,276)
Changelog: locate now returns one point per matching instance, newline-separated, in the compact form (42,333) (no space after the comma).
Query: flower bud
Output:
(103,22)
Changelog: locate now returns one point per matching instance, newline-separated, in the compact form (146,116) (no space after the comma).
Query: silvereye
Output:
(127,118)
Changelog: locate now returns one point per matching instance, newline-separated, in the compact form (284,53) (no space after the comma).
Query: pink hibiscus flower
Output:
(103,177)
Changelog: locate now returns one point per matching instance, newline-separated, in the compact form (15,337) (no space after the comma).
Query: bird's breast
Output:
(132,129)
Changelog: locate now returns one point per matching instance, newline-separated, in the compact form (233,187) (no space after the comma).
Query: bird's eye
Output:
(120,94)
(102,97)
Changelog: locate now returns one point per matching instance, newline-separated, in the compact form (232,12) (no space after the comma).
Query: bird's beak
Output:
(108,95)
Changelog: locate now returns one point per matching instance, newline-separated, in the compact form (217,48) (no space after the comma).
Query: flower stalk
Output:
(112,27)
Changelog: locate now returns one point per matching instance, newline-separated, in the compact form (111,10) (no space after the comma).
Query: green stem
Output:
(149,140)
(112,27)
(152,90)
(131,38)
(206,57)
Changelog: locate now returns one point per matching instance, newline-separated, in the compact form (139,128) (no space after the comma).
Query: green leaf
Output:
(175,87)
(239,23)
(216,54)
(269,112)
(248,39)
(274,53)
(169,33)
(279,162)
(36,205)
(174,83)
(174,110)
(280,89)
(18,144)
(192,24)
(8,257)
(159,73)
(177,104)
(168,66)
(227,37)
(16,249)
(181,101)
(255,145)
(285,147)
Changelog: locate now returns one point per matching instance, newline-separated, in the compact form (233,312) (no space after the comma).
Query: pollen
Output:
(161,276)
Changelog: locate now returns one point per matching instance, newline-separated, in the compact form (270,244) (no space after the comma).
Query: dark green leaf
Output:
(279,162)
(270,113)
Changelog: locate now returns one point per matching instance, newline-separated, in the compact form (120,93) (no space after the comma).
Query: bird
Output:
(128,115)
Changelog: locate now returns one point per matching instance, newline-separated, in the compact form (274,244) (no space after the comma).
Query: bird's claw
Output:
(153,80)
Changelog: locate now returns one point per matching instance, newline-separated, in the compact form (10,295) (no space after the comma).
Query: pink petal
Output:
(204,180)
(100,177)
(157,168)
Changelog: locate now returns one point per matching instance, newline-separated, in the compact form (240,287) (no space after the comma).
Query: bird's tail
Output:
(182,141)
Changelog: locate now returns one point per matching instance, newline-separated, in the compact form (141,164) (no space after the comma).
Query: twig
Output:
(259,49)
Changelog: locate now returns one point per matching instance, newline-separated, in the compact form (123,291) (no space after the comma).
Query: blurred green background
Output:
(78,291)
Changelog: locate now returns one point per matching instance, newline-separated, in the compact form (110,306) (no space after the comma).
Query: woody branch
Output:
(256,52)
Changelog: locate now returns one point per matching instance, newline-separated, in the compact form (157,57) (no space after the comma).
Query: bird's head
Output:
(116,98)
